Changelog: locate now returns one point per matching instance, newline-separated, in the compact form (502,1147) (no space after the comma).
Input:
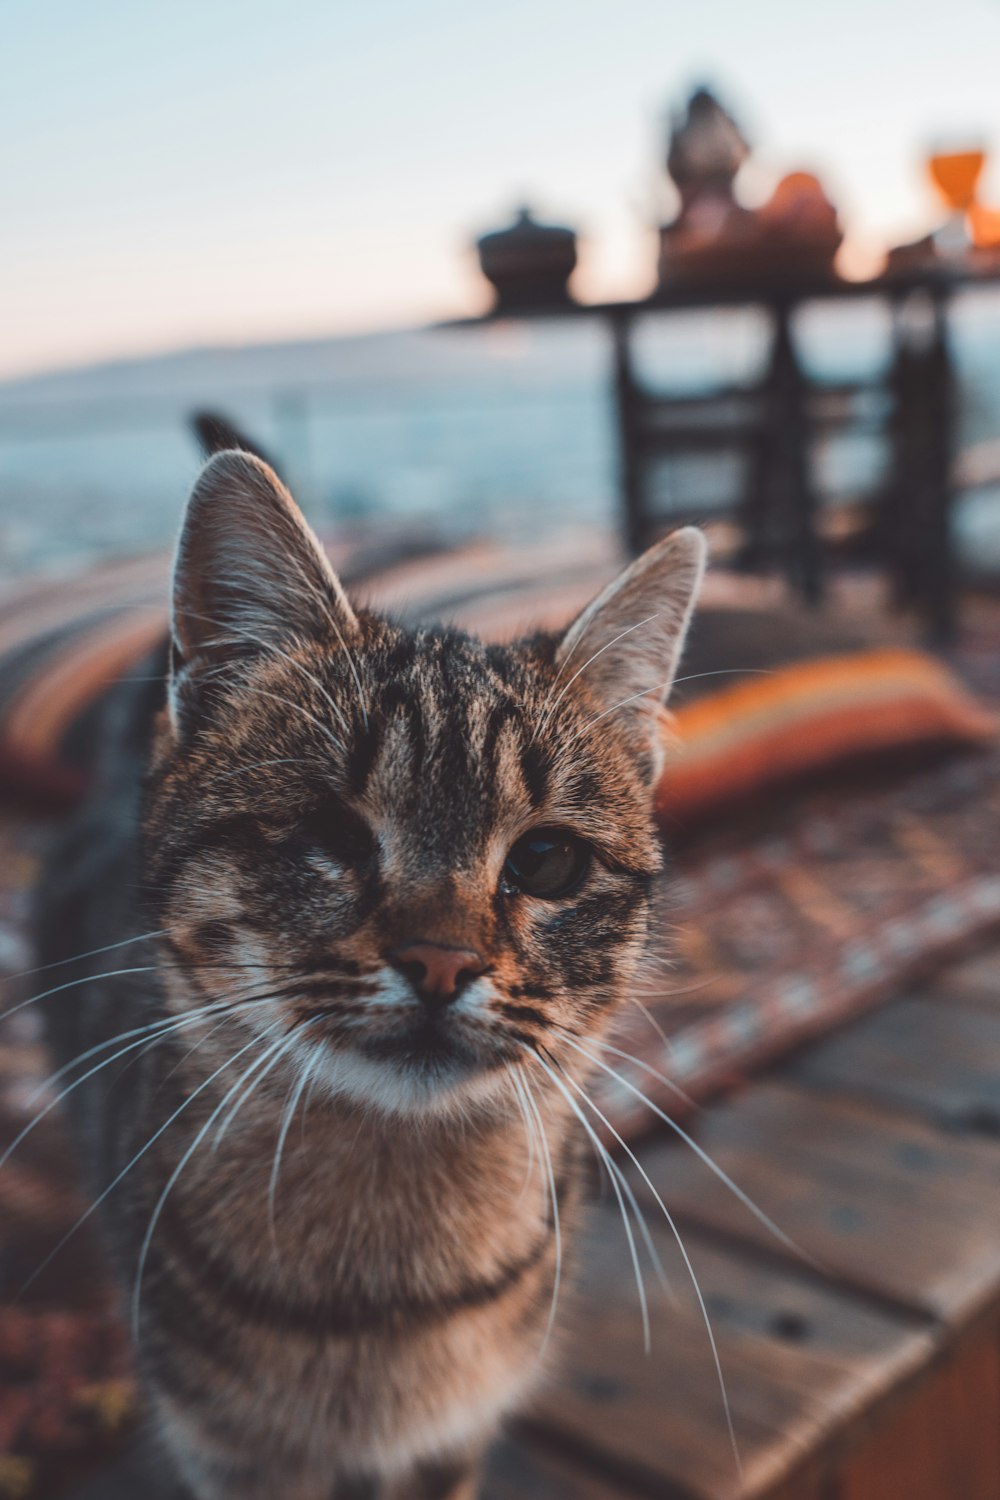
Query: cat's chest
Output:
(346,1215)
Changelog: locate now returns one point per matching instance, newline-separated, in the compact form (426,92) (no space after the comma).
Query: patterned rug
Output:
(792,916)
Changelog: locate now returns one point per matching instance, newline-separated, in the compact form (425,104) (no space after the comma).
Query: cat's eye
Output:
(339,832)
(548,862)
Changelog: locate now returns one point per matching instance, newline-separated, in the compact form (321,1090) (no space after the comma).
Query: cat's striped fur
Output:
(341,1272)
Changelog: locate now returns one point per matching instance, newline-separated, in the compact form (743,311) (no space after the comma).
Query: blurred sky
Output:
(198,172)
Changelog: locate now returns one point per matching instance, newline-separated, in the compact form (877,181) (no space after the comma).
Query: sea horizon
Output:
(502,428)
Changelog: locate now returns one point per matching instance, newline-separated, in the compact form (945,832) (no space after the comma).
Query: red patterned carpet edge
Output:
(781,938)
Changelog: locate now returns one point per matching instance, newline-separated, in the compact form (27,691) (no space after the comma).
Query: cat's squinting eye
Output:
(339,833)
(548,863)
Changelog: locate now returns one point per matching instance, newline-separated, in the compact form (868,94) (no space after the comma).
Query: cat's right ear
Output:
(625,647)
(249,577)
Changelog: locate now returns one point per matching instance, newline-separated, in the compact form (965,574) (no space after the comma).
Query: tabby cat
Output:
(391,874)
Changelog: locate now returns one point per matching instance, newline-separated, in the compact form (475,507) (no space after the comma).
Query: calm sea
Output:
(503,430)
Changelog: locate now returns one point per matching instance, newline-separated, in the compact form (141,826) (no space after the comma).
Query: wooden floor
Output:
(864,1365)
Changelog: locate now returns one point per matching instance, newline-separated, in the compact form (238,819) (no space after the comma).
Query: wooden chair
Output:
(759,440)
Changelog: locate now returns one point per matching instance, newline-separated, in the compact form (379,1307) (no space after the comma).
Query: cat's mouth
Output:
(426,1041)
(432,1045)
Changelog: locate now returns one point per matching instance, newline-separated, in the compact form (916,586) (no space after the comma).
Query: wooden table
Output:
(772,423)
(871,1370)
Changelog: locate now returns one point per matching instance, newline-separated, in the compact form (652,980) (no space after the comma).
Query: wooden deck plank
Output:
(938,1058)
(974,981)
(801,1363)
(888,1205)
(943,1443)
(884,1367)
(518,1470)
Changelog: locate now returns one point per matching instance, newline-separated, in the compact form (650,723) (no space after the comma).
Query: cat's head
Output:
(411,853)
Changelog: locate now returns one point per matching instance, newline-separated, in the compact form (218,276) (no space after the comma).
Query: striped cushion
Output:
(807,719)
(61,646)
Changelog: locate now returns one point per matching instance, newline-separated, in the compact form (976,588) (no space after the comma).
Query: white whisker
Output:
(554,1204)
(644,1010)
(728,672)
(59,963)
(614,1180)
(232,1001)
(286,1122)
(290,1041)
(47,1109)
(552,705)
(196,1142)
(529,1135)
(634,697)
(668,1083)
(713,1166)
(324,729)
(95,1205)
(687,1263)
(74,984)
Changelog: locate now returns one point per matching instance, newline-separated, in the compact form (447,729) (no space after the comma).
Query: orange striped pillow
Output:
(809,718)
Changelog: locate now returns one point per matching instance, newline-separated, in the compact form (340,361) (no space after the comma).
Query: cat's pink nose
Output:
(436,971)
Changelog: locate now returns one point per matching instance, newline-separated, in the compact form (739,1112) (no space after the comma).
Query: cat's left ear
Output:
(626,645)
(249,577)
